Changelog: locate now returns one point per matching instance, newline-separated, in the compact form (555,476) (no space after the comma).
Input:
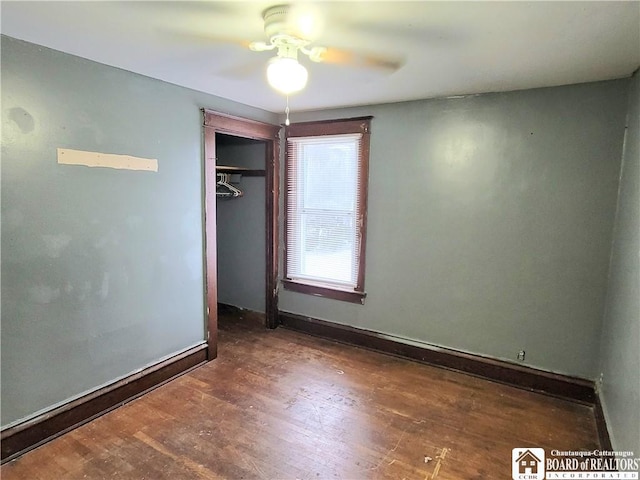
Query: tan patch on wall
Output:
(106,160)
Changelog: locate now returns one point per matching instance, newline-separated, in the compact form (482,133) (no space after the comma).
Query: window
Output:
(326,170)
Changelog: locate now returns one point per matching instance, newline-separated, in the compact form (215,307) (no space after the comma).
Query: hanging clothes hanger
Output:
(224,187)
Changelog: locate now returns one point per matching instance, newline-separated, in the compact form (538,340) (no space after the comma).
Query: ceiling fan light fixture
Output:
(286,75)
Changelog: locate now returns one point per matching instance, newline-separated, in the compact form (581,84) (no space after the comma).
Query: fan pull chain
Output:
(286,110)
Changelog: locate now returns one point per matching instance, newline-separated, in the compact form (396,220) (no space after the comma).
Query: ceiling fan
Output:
(291,30)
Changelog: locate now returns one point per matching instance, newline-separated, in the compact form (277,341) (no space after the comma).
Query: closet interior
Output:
(241,222)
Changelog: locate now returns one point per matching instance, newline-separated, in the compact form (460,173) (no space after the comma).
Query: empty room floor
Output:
(279,404)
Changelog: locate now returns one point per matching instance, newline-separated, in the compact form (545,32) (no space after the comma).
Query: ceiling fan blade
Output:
(356,59)
(247,69)
(192,38)
(432,35)
(188,7)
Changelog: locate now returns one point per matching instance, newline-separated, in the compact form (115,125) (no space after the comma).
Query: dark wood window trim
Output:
(360,125)
(320,291)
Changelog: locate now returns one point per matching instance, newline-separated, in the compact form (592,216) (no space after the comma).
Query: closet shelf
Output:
(247,172)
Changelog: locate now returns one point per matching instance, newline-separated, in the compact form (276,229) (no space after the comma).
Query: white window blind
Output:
(323,210)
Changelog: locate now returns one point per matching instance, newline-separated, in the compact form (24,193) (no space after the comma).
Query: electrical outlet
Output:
(521,356)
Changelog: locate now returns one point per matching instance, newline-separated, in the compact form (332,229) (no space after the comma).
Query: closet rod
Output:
(247,172)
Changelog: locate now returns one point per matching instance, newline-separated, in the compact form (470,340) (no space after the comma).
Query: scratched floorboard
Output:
(284,405)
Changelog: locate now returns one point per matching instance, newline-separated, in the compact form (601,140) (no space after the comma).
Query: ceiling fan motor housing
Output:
(277,22)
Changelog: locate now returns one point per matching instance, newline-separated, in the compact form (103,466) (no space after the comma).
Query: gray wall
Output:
(102,269)
(620,367)
(490,223)
(241,231)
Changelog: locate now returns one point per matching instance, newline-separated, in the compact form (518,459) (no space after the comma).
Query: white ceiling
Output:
(447,48)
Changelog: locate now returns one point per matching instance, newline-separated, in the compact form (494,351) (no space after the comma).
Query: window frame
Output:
(359,125)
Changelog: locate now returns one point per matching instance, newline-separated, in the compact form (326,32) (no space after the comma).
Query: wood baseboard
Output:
(563,386)
(23,437)
(601,425)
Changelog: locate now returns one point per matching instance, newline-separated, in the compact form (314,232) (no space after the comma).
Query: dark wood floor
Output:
(284,405)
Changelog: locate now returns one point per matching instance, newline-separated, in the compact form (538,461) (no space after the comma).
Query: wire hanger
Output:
(224,187)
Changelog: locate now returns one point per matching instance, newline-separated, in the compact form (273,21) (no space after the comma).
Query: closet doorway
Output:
(234,138)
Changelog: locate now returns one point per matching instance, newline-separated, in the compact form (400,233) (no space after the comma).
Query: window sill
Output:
(325,292)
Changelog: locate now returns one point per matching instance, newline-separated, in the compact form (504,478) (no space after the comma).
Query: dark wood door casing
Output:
(215,123)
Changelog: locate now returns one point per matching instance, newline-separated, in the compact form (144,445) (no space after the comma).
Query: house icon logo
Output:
(527,464)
